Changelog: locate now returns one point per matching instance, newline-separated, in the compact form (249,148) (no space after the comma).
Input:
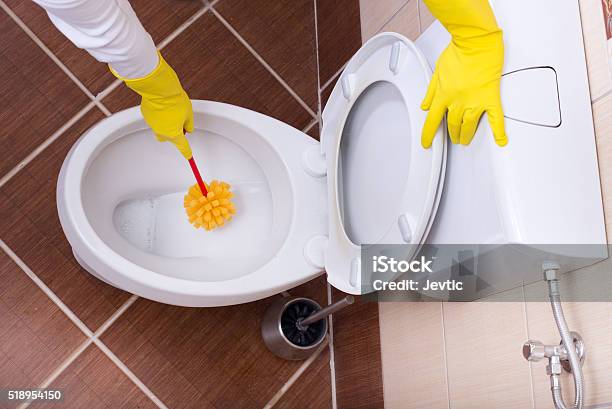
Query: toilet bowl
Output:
(305,207)
(302,206)
(120,202)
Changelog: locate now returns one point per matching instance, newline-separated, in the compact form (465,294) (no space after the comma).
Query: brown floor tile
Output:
(29,224)
(314,132)
(159,17)
(313,389)
(326,93)
(35,335)
(283,33)
(212,64)
(36,97)
(203,357)
(162,17)
(357,356)
(339,28)
(93,381)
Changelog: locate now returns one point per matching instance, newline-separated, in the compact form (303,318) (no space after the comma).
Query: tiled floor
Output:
(61,327)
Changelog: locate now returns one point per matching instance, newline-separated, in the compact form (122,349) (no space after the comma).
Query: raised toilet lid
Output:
(383,187)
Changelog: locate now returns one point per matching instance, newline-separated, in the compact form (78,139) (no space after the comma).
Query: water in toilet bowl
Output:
(154,223)
(133,197)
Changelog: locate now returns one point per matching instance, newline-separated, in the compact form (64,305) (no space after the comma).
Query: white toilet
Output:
(304,207)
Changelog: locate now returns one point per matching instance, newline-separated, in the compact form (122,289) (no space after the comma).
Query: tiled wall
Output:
(468,355)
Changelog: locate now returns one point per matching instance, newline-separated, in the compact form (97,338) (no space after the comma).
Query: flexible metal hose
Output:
(568,341)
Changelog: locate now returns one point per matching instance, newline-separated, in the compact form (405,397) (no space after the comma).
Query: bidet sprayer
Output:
(568,355)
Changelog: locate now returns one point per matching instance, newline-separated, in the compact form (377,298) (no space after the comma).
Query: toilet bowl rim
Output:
(115,267)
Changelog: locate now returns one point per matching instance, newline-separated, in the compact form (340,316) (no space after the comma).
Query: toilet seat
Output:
(373,118)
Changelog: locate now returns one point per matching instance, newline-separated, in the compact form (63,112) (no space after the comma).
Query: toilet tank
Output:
(538,198)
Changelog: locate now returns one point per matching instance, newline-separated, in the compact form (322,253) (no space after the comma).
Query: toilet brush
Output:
(208,206)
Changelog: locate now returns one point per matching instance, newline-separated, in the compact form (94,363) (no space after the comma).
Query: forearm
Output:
(109,30)
(464,18)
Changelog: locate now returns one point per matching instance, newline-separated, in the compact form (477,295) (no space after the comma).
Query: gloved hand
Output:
(466,81)
(165,105)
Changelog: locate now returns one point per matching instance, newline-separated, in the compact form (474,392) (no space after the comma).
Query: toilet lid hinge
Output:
(314,163)
(314,251)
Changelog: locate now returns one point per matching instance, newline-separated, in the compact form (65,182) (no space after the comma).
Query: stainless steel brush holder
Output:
(294,327)
(280,331)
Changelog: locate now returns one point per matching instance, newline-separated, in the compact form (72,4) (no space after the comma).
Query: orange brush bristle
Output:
(210,211)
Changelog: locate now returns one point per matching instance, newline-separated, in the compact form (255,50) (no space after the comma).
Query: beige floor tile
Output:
(483,348)
(425,16)
(593,30)
(412,348)
(406,21)
(593,320)
(376,13)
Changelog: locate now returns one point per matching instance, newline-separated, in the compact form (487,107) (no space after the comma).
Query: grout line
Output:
(295,376)
(102,107)
(263,62)
(129,374)
(50,54)
(599,406)
(398,11)
(419,16)
(46,143)
(445,356)
(311,125)
(332,359)
(584,46)
(71,315)
(333,77)
(115,316)
(531,381)
(602,96)
(106,91)
(66,363)
(316,30)
(183,26)
(60,369)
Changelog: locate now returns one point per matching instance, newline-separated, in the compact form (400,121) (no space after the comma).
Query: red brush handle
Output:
(196,173)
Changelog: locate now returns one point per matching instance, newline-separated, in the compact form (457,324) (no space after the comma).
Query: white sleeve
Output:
(109,30)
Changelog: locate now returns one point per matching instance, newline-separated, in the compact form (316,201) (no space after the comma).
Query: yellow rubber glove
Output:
(165,106)
(467,77)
